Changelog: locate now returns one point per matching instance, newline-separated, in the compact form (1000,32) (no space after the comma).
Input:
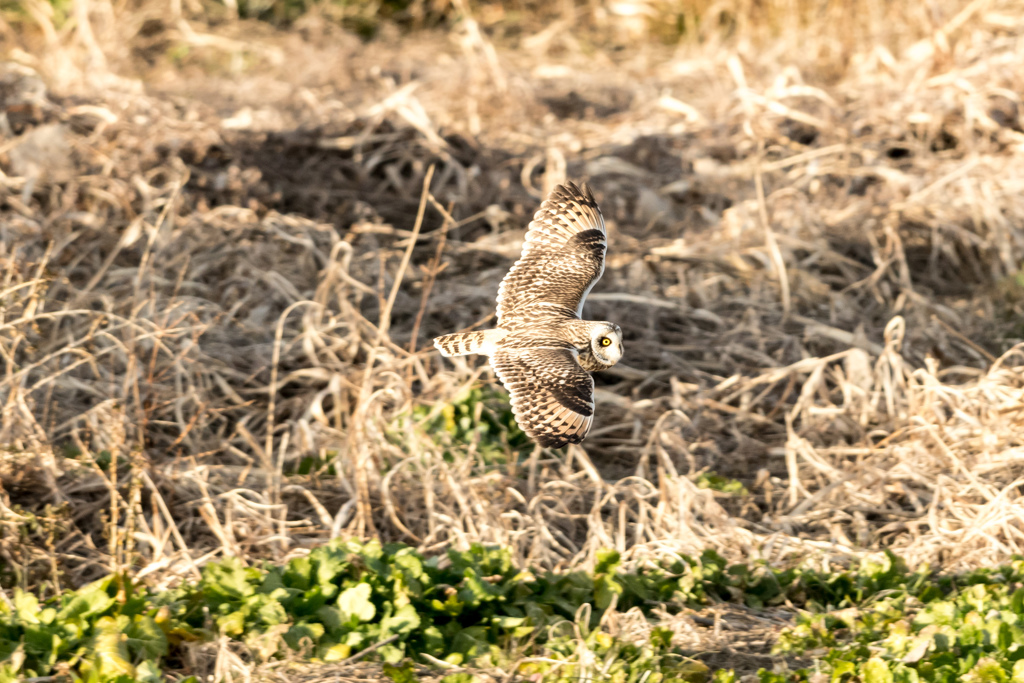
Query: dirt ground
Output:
(215,274)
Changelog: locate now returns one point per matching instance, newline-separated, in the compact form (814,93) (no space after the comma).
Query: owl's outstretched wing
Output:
(563,257)
(552,396)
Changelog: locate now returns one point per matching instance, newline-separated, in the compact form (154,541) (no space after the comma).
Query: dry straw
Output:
(813,256)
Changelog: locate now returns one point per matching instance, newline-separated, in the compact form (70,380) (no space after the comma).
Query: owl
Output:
(541,350)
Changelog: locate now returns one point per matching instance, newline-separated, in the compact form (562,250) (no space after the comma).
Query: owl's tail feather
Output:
(461,343)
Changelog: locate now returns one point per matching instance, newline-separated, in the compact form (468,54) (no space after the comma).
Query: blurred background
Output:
(223,267)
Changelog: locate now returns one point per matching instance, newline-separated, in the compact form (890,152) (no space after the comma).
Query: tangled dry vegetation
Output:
(225,281)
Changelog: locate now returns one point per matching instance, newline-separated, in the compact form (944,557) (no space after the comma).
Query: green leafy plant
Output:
(106,631)
(917,627)
(716,482)
(480,418)
(876,621)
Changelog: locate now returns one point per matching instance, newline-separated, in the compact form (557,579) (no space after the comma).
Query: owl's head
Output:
(606,343)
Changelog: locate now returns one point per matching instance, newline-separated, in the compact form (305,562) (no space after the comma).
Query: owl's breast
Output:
(589,362)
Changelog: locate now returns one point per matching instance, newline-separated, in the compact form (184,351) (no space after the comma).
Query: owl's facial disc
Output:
(607,343)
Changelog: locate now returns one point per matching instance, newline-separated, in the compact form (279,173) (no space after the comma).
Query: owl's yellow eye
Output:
(606,341)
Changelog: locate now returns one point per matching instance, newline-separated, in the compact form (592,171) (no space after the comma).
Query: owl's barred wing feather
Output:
(563,257)
(552,396)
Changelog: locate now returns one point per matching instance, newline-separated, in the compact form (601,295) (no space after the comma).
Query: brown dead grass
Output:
(216,272)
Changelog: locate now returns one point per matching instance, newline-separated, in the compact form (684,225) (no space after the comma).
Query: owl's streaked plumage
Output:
(541,350)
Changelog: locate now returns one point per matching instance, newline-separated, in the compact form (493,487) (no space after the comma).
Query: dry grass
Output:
(217,275)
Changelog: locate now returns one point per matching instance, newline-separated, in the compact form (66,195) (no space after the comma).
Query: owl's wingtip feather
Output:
(569,190)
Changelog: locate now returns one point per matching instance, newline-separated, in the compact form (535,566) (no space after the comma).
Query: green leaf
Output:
(876,671)
(689,672)
(149,672)
(407,560)
(88,601)
(452,606)
(338,652)
(232,624)
(987,670)
(110,650)
(476,591)
(460,678)
(299,573)
(331,617)
(661,637)
(392,653)
(26,607)
(1017,601)
(228,580)
(433,640)
(354,603)
(607,561)
(403,621)
(331,562)
(471,642)
(938,612)
(270,611)
(605,589)
(404,674)
(716,482)
(298,635)
(15,659)
(842,668)
(312,600)
(146,638)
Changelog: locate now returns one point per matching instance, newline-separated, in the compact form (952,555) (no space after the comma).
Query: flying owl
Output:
(541,350)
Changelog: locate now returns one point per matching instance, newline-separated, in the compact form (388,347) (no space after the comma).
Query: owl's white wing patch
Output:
(552,396)
(563,256)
